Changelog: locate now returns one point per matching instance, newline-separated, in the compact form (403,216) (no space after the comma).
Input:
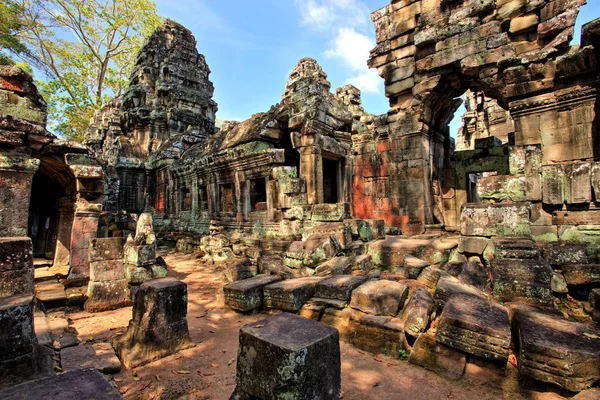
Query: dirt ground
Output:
(207,371)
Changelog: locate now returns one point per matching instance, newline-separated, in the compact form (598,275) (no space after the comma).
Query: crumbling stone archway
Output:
(51,210)
(517,52)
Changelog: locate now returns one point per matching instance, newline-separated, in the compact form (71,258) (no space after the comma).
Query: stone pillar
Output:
(287,356)
(63,239)
(311,169)
(15,181)
(88,205)
(159,326)
(108,289)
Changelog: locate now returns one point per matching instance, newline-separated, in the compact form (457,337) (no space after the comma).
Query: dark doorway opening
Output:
(51,185)
(331,180)
(226,195)
(258,194)
(292,157)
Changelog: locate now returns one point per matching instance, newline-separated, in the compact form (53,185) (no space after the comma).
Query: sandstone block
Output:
(291,294)
(415,316)
(476,326)
(504,219)
(102,249)
(581,274)
(79,384)
(15,253)
(17,282)
(107,295)
(135,274)
(338,287)
(526,281)
(108,270)
(436,357)
(239,269)
(559,254)
(430,277)
(363,263)
(340,230)
(380,297)
(558,284)
(100,356)
(472,244)
(17,337)
(140,255)
(247,294)
(335,266)
(556,350)
(515,248)
(379,335)
(159,326)
(448,285)
(287,356)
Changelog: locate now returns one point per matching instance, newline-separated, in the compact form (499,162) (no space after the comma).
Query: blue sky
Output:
(251,46)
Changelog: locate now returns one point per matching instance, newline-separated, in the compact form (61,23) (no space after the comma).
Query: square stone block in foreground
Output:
(159,325)
(289,357)
(476,326)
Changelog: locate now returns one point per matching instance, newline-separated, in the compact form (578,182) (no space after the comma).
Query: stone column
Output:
(65,224)
(311,169)
(16,175)
(88,205)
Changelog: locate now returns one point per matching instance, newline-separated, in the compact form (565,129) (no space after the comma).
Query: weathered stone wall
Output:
(429,53)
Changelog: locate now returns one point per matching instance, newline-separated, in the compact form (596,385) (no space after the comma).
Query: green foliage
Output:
(11,24)
(293,174)
(86,49)
(403,354)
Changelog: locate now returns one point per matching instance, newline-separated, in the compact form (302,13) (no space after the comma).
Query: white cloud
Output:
(352,49)
(344,24)
(326,14)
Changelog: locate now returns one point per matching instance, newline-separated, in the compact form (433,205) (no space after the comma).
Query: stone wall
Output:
(429,53)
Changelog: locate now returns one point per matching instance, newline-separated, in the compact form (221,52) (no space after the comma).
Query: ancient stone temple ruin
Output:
(451,252)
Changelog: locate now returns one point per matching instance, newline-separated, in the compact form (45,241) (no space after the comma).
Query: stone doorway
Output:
(332,179)
(51,211)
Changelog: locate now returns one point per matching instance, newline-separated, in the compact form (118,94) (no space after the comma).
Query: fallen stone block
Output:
(430,276)
(379,335)
(476,326)
(17,337)
(581,274)
(320,248)
(140,255)
(525,281)
(345,320)
(414,266)
(247,294)
(363,264)
(287,356)
(159,326)
(135,274)
(342,232)
(291,294)
(517,248)
(436,357)
(475,274)
(559,254)
(100,356)
(416,313)
(472,244)
(333,303)
(239,269)
(338,287)
(380,297)
(335,266)
(448,285)
(107,295)
(312,311)
(552,349)
(391,252)
(502,219)
(80,384)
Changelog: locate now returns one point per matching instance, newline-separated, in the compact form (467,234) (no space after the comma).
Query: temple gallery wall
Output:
(386,220)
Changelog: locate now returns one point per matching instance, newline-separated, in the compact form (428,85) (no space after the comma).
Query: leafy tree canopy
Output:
(85,49)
